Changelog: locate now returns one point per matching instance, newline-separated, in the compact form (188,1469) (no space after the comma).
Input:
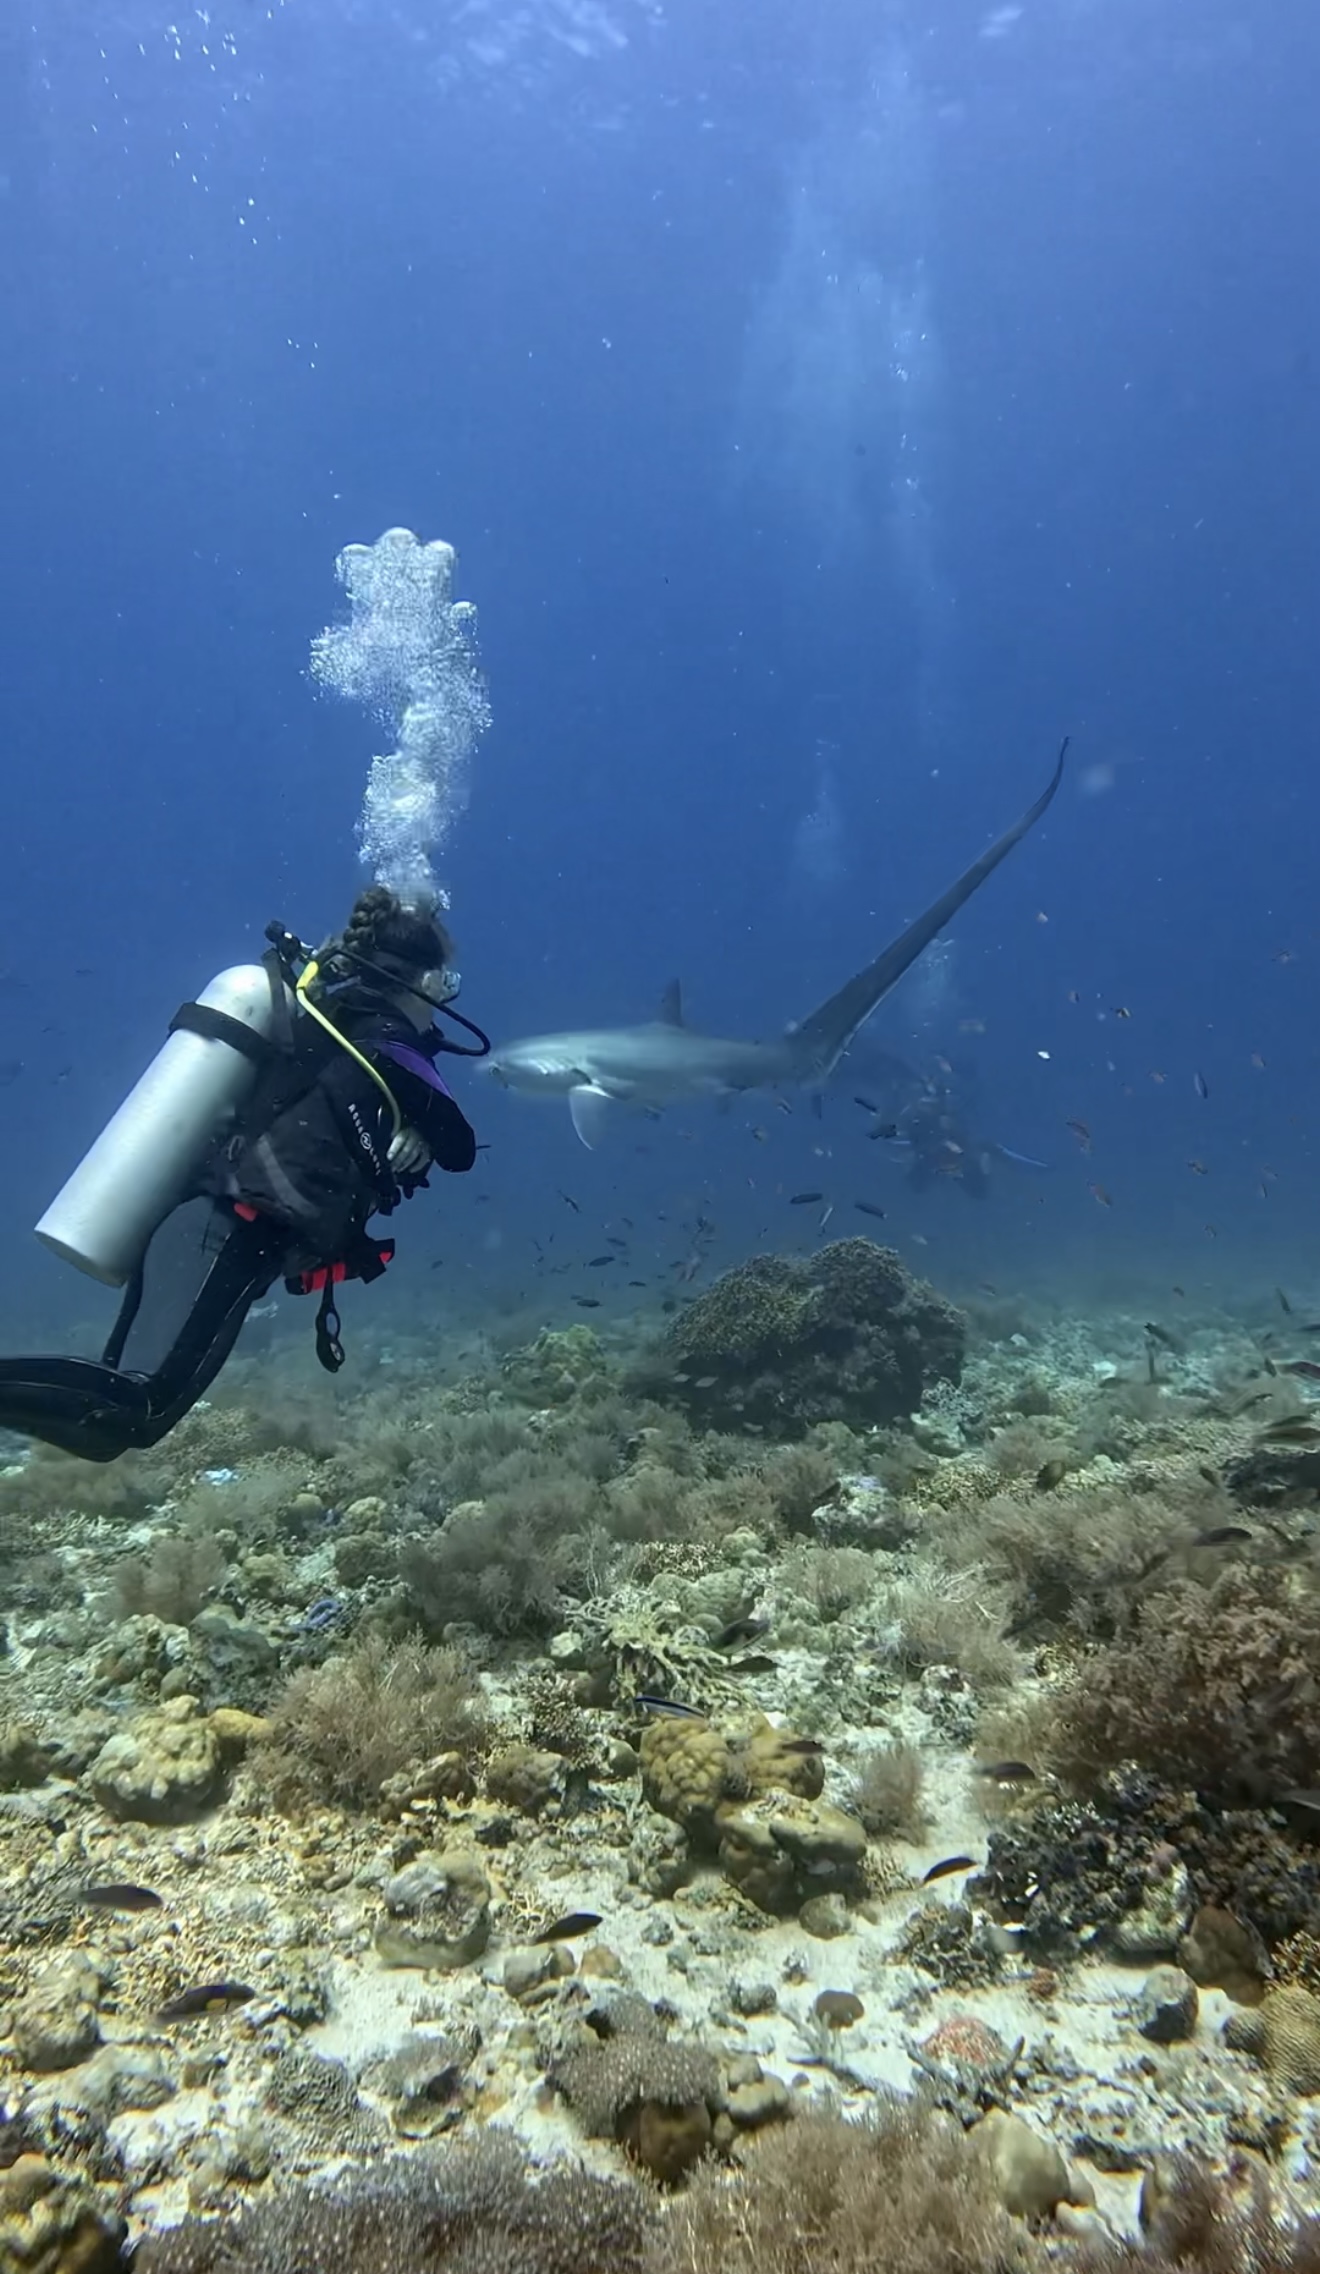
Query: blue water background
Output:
(830,407)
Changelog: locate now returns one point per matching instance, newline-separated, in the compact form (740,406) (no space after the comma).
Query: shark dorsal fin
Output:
(671,1004)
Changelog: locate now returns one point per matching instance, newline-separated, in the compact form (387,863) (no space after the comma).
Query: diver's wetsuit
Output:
(287,1195)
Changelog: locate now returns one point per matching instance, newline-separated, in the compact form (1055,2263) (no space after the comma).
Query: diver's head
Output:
(392,952)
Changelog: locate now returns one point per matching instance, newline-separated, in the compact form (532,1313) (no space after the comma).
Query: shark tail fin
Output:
(820,1040)
(671,1004)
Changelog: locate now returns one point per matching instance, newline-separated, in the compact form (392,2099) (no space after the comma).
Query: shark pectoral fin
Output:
(589,1106)
(1023,1160)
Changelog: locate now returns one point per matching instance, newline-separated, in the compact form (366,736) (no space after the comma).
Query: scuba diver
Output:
(296,1099)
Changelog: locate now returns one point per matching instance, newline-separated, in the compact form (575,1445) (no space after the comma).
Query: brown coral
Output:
(849,1335)
(686,1768)
(1284,2034)
(1215,1689)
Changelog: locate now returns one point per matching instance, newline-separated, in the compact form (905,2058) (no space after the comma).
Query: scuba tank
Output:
(146,1157)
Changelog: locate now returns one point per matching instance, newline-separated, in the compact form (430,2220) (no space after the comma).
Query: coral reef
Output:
(481,1752)
(782,1345)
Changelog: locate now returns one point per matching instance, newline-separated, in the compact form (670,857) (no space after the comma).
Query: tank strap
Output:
(218,1026)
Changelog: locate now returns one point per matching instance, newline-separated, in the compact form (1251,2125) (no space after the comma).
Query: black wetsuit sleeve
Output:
(438,1119)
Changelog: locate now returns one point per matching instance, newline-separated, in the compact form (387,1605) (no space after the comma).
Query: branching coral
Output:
(340,1731)
(902,2190)
(1216,1689)
(886,1792)
(172,1580)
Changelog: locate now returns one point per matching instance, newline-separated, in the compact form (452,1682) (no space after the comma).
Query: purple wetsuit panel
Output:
(415,1062)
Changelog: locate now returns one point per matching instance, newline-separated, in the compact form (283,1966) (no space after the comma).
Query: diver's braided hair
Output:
(383,930)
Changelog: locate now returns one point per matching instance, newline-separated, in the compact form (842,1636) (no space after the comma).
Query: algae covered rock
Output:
(780,1858)
(167,1765)
(437,1911)
(1028,2173)
(25,1759)
(55,2023)
(1166,2006)
(524,1778)
(52,2223)
(845,1335)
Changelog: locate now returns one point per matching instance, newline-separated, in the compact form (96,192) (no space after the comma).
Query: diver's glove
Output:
(409,1154)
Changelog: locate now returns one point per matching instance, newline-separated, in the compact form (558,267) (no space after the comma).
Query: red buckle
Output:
(245,1209)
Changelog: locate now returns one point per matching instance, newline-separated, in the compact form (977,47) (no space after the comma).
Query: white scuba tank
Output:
(144,1159)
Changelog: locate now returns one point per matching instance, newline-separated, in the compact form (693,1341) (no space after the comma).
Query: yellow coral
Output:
(775,1760)
(685,1770)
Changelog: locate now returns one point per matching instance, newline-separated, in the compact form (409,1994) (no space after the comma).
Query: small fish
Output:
(1050,1474)
(947,1868)
(573,1923)
(121,1895)
(1006,1772)
(1081,1133)
(1284,1305)
(616,1239)
(1162,1335)
(1200,1085)
(1257,1061)
(745,1628)
(1220,1535)
(10,1069)
(1292,1429)
(1198,1168)
(1306,1367)
(1301,1796)
(705,1381)
(760,1136)
(867,1208)
(636,1282)
(571,1202)
(803,1199)
(208,1997)
(646,1703)
(1212,1476)
(811,1747)
(825,1216)
(1120,1011)
(866,1105)
(594,1262)
(885,1129)
(1098,1192)
(758,1663)
(587,1302)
